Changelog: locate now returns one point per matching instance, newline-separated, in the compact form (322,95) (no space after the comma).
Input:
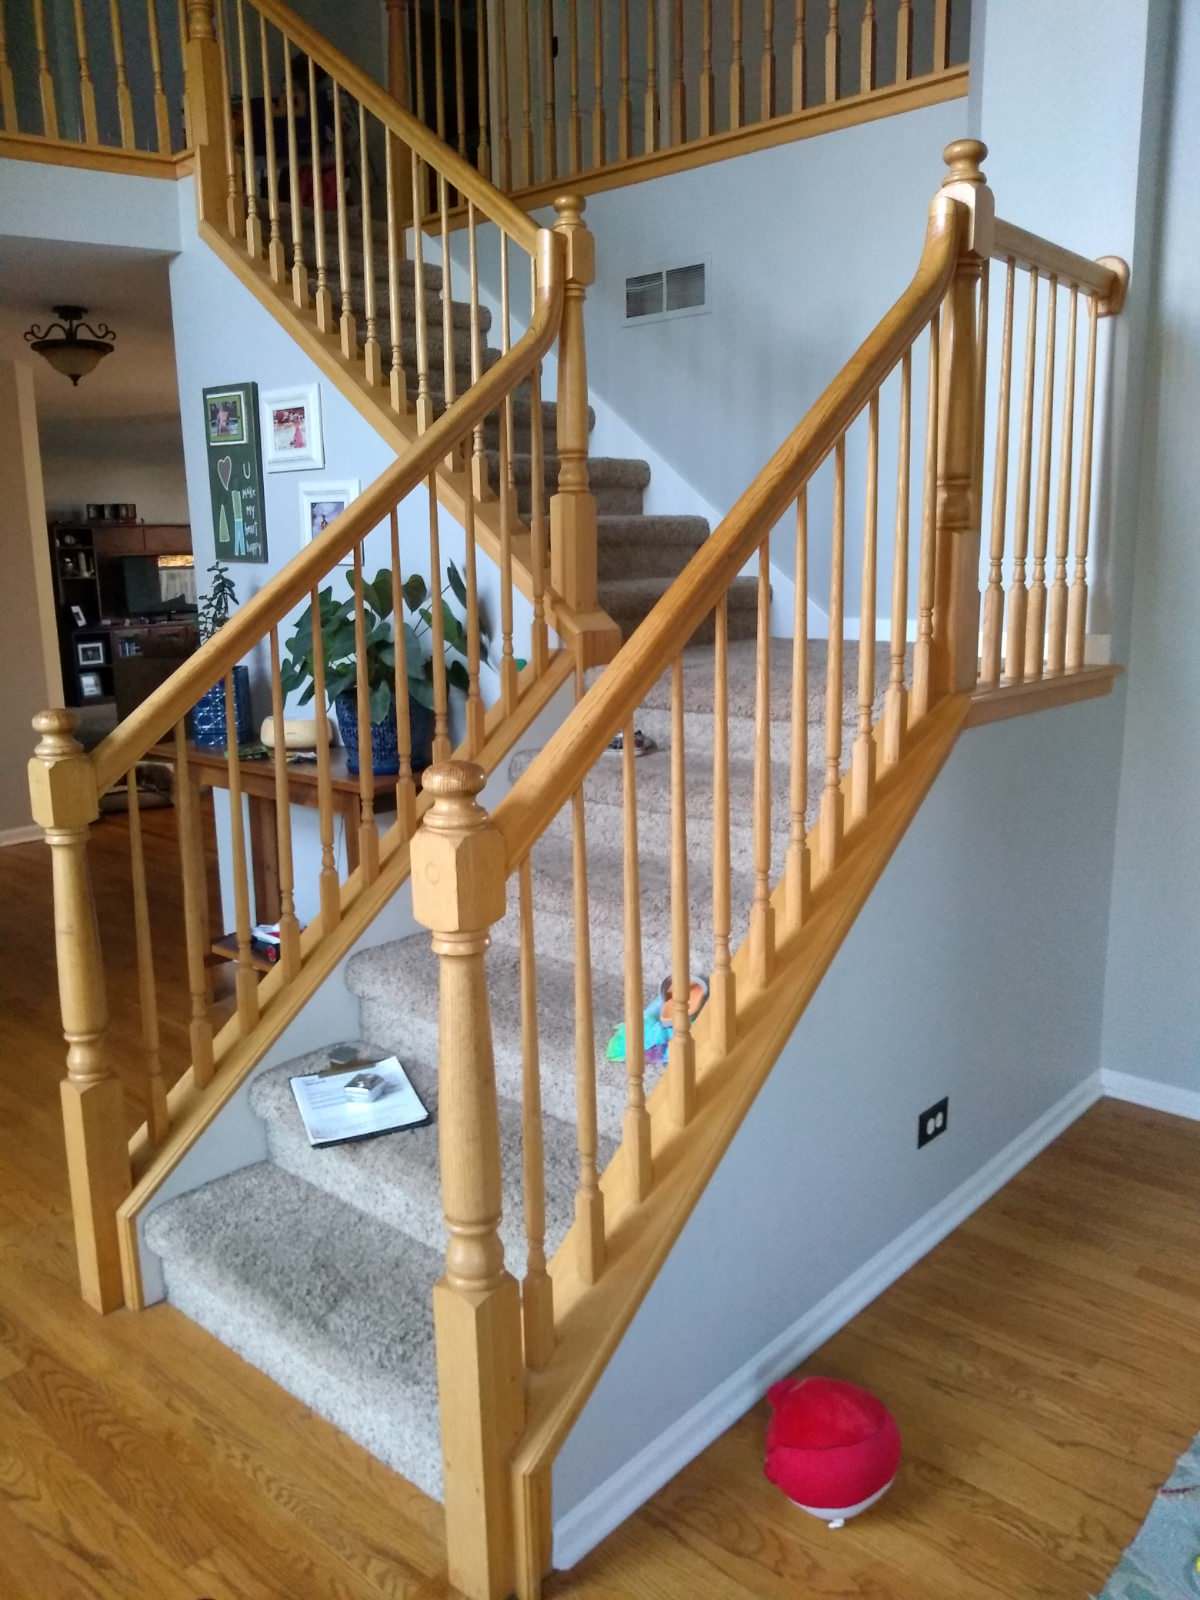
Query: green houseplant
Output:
(341,662)
(208,714)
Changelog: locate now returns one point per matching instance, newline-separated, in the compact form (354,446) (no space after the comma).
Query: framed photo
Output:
(291,428)
(90,686)
(78,617)
(90,652)
(321,504)
(225,416)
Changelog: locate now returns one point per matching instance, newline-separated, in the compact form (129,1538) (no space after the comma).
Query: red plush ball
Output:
(831,1447)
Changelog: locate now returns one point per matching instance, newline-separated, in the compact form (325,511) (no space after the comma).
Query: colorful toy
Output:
(832,1448)
(658,1023)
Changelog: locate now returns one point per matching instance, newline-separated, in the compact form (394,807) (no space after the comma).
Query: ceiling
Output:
(128,289)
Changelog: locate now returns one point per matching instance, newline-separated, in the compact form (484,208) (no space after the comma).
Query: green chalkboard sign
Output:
(235,474)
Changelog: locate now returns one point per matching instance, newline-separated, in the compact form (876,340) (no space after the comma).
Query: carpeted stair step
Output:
(407,297)
(629,601)
(331,1303)
(647,546)
(396,1179)
(617,482)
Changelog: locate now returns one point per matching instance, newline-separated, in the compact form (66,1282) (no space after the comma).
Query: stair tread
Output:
(615,471)
(687,531)
(290,1277)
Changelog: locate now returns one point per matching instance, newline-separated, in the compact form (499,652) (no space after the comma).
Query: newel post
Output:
(955,654)
(458,878)
(206,113)
(62,789)
(573,508)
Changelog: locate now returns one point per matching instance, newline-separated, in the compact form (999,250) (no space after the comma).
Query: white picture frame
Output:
(293,435)
(90,686)
(321,503)
(90,653)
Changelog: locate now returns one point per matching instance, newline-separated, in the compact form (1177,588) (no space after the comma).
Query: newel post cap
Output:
(458,859)
(966,183)
(580,241)
(62,780)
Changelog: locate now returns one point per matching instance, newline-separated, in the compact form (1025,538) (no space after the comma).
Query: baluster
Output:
(347,325)
(573,507)
(475,708)
(441,724)
(460,87)
(87,86)
(637,1118)
(862,778)
(707,121)
(368,833)
(833,54)
(162,119)
(8,96)
(1056,628)
(762,914)
(681,1052)
(195,913)
(921,697)
(45,76)
(503,128)
(800,58)
(537,1290)
(941,35)
(589,1200)
(537,522)
(330,895)
(651,99)
(599,125)
(678,85)
(124,98)
(246,981)
(526,101)
(371,353)
(481,480)
(1018,592)
(575,124)
(766,98)
(507,483)
(419,72)
(895,712)
(904,41)
(831,797)
(448,380)
(1078,600)
(156,1093)
(799,864)
(397,382)
(299,269)
(722,987)
(483,153)
(1035,621)
(235,200)
(993,600)
(62,790)
(625,103)
(289,928)
(424,398)
(549,107)
(866,49)
(737,72)
(254,235)
(399,86)
(439,72)
(323,297)
(406,793)
(508,661)
(276,254)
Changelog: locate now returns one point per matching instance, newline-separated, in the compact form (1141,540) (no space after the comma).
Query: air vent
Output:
(670,292)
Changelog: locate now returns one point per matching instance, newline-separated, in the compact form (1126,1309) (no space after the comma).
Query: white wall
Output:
(1152,1004)
(95,463)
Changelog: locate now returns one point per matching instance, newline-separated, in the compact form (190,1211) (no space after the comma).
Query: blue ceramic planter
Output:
(385,750)
(207,717)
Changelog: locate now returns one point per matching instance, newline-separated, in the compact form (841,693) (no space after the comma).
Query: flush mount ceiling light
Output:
(64,349)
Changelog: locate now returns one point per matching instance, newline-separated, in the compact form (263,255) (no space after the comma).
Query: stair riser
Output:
(460,310)
(742,624)
(624,558)
(698,735)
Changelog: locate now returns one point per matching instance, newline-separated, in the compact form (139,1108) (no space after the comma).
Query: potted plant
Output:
(208,714)
(341,663)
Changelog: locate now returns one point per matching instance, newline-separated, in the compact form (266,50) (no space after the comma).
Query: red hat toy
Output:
(832,1448)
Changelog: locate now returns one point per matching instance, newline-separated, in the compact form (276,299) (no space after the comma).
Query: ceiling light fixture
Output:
(64,349)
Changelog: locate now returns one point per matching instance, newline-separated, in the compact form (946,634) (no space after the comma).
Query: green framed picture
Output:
(235,473)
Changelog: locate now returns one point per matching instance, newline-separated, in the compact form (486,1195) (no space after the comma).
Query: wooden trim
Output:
(93,158)
(593,1319)
(1040,694)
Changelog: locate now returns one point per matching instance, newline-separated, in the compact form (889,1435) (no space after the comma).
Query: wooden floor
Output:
(1044,1364)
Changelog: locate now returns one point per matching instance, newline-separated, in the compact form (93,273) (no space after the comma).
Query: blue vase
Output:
(207,716)
(385,749)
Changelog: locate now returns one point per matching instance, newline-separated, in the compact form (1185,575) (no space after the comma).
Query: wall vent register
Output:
(669,292)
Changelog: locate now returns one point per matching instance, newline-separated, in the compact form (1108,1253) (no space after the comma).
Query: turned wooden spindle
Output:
(458,892)
(87,86)
(573,506)
(625,100)
(737,70)
(218,186)
(8,93)
(707,86)
(800,57)
(62,789)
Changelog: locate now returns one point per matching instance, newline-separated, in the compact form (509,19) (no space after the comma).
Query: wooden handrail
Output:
(556,772)
(1048,260)
(422,141)
(153,720)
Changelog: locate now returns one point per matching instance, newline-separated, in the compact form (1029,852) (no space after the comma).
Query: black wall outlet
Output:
(933,1122)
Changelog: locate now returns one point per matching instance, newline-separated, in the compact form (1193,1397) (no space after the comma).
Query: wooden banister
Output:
(1106,278)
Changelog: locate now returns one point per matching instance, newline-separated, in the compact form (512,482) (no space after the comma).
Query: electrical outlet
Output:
(933,1122)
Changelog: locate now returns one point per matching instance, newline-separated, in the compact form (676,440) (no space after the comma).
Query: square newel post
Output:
(955,654)
(458,879)
(206,113)
(573,508)
(62,788)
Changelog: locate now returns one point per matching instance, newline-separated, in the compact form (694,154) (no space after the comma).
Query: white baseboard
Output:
(608,1505)
(26,835)
(1152,1094)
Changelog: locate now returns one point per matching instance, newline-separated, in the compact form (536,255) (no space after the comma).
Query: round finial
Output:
(570,207)
(454,780)
(57,730)
(965,158)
